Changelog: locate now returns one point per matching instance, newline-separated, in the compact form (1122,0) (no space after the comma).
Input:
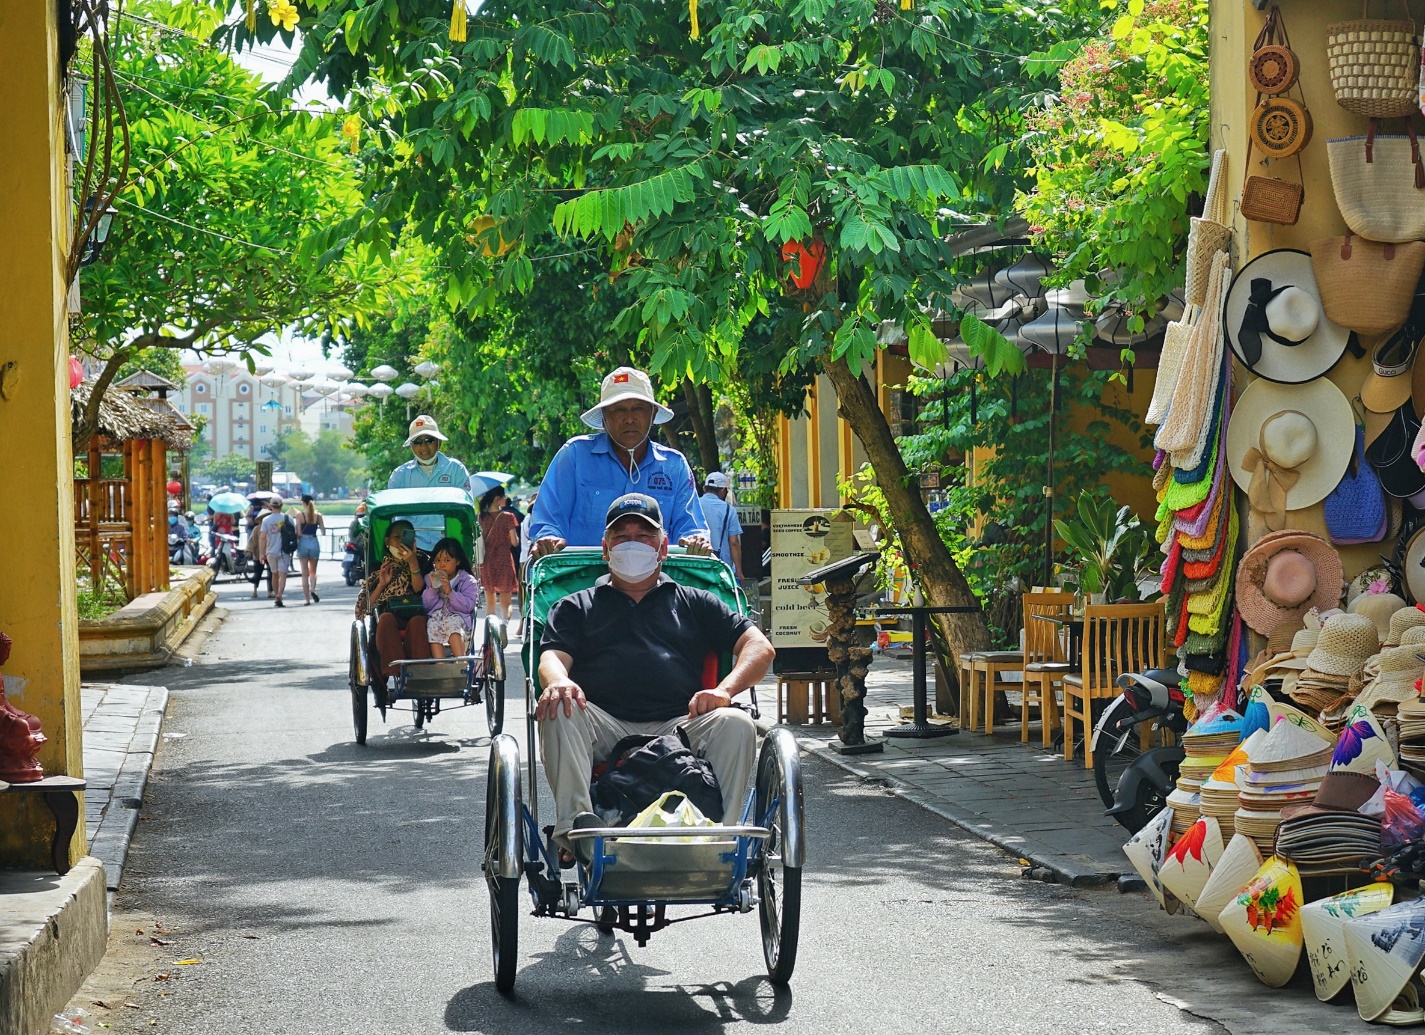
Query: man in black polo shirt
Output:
(627,656)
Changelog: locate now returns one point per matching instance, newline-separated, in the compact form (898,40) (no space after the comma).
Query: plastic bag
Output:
(74,1021)
(1402,821)
(1397,780)
(672,809)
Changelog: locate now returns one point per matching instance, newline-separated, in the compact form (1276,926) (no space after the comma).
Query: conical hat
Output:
(1288,746)
(1323,932)
(1297,717)
(1258,715)
(1385,949)
(1191,859)
(1264,922)
(1362,744)
(1239,862)
(1147,849)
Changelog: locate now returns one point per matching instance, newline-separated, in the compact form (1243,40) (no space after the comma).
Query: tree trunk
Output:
(932,567)
(80,434)
(700,413)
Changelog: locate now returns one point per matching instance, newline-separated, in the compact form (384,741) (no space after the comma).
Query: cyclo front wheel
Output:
(494,688)
(779,873)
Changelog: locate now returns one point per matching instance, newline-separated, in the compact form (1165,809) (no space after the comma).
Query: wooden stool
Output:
(807,697)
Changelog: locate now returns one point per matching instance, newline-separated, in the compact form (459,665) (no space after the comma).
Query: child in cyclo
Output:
(450,597)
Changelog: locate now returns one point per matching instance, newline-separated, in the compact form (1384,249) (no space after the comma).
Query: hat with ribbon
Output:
(1284,576)
(1274,320)
(1289,445)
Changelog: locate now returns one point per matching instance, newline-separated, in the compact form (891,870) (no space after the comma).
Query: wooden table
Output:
(1075,627)
(61,794)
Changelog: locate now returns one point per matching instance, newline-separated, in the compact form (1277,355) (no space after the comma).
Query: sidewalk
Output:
(121,724)
(1026,800)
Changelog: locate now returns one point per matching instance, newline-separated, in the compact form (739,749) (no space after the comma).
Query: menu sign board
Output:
(803,540)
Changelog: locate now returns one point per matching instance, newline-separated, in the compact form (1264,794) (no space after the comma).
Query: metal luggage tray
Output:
(434,677)
(644,864)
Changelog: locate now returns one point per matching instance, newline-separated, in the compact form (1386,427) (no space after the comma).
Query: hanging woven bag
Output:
(1380,184)
(1375,65)
(1210,233)
(1366,286)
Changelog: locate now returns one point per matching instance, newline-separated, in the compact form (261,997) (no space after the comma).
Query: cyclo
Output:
(427,684)
(635,874)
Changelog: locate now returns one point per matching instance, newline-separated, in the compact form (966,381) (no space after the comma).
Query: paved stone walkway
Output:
(121,724)
(1024,799)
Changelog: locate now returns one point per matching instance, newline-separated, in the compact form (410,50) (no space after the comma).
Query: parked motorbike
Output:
(228,558)
(353,568)
(1133,783)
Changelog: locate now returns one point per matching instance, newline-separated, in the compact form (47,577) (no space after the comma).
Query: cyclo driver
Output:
(626,657)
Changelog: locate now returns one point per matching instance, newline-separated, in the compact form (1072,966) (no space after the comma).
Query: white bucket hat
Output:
(625,383)
(424,425)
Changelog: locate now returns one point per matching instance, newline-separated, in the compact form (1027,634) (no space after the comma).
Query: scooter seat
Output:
(1169,677)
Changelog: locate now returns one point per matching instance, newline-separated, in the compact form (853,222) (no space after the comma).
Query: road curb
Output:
(116,830)
(1065,869)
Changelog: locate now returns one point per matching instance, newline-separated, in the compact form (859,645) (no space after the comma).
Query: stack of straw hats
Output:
(1346,642)
(1286,769)
(1218,792)
(1404,619)
(1330,835)
(1206,745)
(1396,679)
(1411,717)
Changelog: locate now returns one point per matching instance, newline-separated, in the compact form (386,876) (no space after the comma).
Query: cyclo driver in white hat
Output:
(429,469)
(591,471)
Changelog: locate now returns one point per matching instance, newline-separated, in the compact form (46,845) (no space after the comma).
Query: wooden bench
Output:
(60,794)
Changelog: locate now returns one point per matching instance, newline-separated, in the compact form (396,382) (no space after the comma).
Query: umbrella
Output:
(228,503)
(262,494)
(482,482)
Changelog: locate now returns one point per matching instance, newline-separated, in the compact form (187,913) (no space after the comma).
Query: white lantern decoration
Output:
(339,374)
(381,392)
(356,389)
(273,379)
(220,365)
(260,369)
(426,369)
(301,375)
(1053,332)
(385,373)
(325,387)
(408,390)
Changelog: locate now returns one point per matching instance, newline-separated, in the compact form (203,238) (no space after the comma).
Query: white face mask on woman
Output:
(633,562)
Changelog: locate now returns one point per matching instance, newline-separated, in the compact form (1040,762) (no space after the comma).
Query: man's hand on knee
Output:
(560,692)
(705,701)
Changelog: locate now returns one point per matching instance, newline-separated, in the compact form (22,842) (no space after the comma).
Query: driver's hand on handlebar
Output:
(563,692)
(547,545)
(696,544)
(705,701)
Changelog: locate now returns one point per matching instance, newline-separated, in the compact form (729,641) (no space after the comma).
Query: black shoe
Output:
(316,599)
(584,847)
(278,603)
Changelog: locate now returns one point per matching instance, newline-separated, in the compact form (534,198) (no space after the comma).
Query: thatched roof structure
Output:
(122,415)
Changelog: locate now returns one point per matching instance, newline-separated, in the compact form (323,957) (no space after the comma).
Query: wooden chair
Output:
(987,669)
(1045,661)
(981,677)
(1117,638)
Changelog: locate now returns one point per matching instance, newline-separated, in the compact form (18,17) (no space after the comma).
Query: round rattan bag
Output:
(1273,69)
(1280,127)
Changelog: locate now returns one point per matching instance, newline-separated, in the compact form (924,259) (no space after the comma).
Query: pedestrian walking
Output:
(500,531)
(254,550)
(309,547)
(277,533)
(723,524)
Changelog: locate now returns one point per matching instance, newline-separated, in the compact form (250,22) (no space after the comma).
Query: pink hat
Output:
(1284,575)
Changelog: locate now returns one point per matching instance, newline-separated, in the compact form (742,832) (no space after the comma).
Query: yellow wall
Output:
(37,606)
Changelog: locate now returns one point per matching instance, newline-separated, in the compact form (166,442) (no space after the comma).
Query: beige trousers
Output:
(726,737)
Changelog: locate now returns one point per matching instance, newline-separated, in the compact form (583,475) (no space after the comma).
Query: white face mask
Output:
(633,562)
(427,463)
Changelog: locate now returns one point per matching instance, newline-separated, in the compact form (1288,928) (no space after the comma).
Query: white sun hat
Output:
(623,384)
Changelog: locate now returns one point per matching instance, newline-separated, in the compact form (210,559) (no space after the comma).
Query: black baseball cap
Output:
(635,504)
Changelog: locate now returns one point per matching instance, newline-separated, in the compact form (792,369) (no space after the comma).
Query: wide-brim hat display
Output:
(1238,864)
(1405,618)
(1385,949)
(1264,921)
(1323,932)
(1400,669)
(1413,572)
(623,384)
(1280,431)
(1379,608)
(1274,321)
(1190,861)
(1346,641)
(1147,849)
(1263,613)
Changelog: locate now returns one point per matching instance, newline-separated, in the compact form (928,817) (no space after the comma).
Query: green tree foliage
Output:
(1120,150)
(226,183)
(228,470)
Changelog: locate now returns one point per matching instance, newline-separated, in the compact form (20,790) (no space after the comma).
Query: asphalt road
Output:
(312,886)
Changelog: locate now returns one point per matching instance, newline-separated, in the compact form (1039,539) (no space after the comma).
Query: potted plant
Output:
(1111,547)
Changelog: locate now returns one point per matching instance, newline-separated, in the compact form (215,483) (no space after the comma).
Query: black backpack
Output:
(289,535)
(641,768)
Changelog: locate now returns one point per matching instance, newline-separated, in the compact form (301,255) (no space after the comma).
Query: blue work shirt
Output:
(446,473)
(587,476)
(723,524)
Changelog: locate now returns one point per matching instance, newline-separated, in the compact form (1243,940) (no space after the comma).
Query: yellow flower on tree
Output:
(351,131)
(283,13)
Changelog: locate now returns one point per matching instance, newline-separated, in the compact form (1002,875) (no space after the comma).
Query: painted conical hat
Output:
(1240,861)
(1362,744)
(1289,747)
(1257,715)
(1225,724)
(1285,712)
(1147,849)
(1323,932)
(1264,922)
(1385,949)
(1191,859)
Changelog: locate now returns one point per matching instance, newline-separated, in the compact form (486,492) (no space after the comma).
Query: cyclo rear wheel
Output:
(779,873)
(360,711)
(503,854)
(494,688)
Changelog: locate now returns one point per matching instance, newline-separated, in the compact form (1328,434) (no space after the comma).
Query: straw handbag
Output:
(1380,184)
(1273,69)
(1209,234)
(1366,286)
(1375,65)
(1170,365)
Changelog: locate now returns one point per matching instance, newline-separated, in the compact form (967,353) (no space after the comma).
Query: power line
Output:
(150,213)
